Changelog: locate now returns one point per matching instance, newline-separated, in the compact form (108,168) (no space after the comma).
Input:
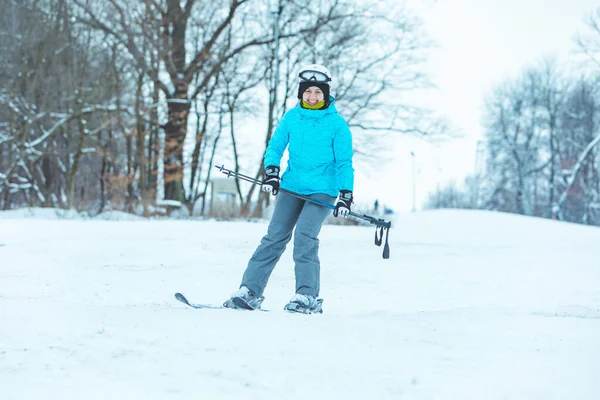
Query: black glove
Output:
(344,204)
(271,182)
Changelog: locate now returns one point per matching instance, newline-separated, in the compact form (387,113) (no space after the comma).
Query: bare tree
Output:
(553,90)
(514,137)
(579,158)
(589,42)
(542,136)
(53,111)
(85,84)
(374,53)
(188,74)
(449,196)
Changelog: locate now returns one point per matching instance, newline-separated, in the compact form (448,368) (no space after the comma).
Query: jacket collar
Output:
(306,113)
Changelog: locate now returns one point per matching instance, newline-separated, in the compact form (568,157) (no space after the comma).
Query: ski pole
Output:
(381,226)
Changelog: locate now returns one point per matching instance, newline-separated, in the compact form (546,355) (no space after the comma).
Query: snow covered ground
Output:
(471,305)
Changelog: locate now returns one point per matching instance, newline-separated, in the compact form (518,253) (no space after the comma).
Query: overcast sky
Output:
(480,43)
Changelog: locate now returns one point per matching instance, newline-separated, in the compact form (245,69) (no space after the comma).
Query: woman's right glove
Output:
(271,182)
(344,204)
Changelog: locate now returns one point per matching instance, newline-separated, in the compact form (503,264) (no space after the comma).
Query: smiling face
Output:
(313,95)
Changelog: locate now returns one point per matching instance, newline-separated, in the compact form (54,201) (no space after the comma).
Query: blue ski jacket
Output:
(320,151)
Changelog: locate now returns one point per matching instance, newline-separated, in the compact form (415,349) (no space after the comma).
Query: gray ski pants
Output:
(308,219)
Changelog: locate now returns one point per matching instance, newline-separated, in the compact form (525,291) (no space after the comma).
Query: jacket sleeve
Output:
(277,144)
(342,150)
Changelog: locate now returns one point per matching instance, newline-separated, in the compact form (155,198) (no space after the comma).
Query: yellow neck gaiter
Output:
(315,107)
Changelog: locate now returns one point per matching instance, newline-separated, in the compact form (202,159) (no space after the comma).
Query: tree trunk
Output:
(175,132)
(140,139)
(178,103)
(196,162)
(152,150)
(75,165)
(211,160)
(103,176)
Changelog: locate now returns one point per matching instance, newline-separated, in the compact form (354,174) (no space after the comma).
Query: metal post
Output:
(414,183)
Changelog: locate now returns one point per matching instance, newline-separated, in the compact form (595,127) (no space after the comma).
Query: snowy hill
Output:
(471,305)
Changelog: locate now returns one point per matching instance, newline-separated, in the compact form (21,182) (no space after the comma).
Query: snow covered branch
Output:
(68,117)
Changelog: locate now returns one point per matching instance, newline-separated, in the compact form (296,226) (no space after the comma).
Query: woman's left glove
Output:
(271,182)
(344,204)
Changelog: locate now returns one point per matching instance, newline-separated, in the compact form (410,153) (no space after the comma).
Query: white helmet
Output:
(314,73)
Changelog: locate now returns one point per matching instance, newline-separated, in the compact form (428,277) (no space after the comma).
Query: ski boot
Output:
(304,304)
(244,299)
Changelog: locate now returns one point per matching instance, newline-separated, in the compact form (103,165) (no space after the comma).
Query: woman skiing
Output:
(320,167)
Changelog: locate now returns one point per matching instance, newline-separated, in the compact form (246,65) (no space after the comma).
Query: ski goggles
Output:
(313,76)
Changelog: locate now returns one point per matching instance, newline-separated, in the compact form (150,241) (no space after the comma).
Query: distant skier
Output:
(319,166)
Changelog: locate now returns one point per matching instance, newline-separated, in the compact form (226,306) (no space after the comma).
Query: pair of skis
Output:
(185,301)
